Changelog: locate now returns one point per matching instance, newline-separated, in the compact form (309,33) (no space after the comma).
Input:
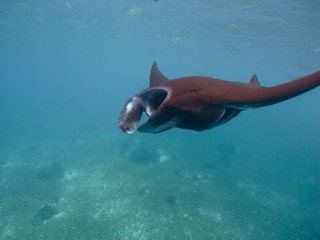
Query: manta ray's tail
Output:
(265,96)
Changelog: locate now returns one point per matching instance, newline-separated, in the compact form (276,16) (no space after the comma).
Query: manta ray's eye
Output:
(154,98)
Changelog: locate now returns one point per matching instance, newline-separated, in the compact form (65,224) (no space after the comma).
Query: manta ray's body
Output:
(201,103)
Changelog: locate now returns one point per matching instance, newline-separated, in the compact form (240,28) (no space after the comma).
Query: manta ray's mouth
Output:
(147,101)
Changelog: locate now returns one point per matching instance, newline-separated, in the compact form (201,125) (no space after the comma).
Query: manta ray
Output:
(201,103)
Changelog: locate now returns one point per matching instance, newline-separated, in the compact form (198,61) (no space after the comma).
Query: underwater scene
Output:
(67,172)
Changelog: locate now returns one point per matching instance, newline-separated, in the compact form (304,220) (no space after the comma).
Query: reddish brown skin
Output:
(200,103)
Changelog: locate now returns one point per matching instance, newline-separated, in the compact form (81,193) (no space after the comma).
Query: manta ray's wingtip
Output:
(156,76)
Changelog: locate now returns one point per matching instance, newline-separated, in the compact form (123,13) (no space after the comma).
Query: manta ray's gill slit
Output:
(228,114)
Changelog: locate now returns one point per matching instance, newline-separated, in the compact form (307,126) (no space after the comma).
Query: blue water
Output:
(68,172)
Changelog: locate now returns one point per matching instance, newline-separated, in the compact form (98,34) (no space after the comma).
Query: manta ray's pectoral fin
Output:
(156,76)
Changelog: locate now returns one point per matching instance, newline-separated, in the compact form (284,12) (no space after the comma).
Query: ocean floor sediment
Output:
(102,188)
